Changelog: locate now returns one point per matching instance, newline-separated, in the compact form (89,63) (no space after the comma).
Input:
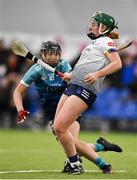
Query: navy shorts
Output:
(86,95)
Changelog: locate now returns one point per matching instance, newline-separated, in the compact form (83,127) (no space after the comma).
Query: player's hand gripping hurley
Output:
(19,49)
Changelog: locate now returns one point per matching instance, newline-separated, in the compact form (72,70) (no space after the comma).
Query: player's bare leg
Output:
(74,129)
(63,121)
(68,142)
(65,117)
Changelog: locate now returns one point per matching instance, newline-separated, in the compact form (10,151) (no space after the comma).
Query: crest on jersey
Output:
(51,76)
(111,44)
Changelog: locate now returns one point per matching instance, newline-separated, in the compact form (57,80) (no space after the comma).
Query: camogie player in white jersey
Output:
(50,88)
(99,59)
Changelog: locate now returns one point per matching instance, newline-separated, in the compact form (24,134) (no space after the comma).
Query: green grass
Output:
(27,150)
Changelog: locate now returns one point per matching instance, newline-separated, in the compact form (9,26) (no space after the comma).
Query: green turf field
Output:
(36,155)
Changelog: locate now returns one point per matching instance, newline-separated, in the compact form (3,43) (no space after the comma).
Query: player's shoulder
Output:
(63,62)
(37,67)
(104,39)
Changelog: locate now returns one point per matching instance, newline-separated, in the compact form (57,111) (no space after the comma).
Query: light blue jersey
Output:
(42,77)
(48,85)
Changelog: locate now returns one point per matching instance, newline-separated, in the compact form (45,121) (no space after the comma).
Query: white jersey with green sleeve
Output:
(92,59)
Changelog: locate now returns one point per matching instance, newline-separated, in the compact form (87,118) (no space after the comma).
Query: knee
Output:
(58,129)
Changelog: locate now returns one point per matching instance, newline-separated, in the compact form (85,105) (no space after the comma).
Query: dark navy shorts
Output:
(86,95)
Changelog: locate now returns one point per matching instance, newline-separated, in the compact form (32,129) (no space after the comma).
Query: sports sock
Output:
(100,162)
(98,147)
(74,160)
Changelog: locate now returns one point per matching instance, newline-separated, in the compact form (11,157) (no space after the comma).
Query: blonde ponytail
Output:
(113,35)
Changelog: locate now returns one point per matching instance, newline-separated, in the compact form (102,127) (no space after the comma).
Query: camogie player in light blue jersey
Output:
(99,59)
(48,85)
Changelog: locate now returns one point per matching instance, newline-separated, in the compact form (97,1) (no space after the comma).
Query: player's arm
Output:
(18,96)
(66,70)
(114,65)
(30,76)
(18,100)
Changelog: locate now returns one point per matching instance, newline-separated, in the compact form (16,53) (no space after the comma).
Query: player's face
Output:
(93,27)
(51,57)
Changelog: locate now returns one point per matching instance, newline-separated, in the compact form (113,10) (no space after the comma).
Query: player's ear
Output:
(103,28)
(42,55)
